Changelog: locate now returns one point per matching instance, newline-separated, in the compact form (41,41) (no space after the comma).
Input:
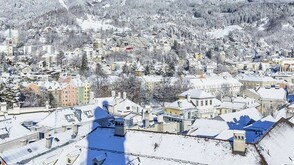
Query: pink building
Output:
(68,95)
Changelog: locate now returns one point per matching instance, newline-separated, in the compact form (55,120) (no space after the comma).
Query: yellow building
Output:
(287,64)
(198,56)
(181,108)
(87,90)
(150,82)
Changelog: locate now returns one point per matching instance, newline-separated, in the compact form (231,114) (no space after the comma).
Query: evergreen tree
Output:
(170,71)
(133,68)
(9,93)
(60,56)
(125,69)
(209,54)
(84,66)
(52,100)
(260,66)
(99,72)
(187,65)
(147,70)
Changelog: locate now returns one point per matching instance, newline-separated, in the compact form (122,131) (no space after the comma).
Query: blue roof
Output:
(241,123)
(260,126)
(254,130)
(290,98)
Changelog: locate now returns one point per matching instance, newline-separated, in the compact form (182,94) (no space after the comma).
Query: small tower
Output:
(147,116)
(3,106)
(239,142)
(47,105)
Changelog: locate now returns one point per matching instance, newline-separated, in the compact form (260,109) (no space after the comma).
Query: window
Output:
(206,102)
(201,103)
(69,117)
(56,139)
(89,114)
(210,102)
(29,150)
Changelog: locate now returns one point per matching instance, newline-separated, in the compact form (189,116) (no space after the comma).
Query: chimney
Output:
(148,108)
(16,107)
(75,129)
(124,95)
(146,118)
(23,142)
(120,127)
(63,128)
(188,98)
(112,93)
(48,142)
(160,127)
(239,142)
(47,106)
(3,106)
(119,95)
(180,104)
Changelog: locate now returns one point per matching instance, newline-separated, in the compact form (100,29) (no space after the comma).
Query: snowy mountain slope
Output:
(62,2)
(203,19)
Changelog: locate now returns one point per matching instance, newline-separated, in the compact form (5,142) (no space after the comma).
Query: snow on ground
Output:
(264,21)
(123,2)
(106,6)
(287,26)
(63,4)
(292,120)
(91,23)
(219,33)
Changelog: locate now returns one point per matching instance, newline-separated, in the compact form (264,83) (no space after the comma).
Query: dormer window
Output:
(69,117)
(88,114)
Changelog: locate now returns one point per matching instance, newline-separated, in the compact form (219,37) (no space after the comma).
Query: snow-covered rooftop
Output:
(207,128)
(196,94)
(14,130)
(181,104)
(270,93)
(277,147)
(230,105)
(257,78)
(162,148)
(69,116)
(252,113)
(32,150)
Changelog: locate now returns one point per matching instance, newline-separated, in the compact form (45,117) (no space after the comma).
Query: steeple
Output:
(10,33)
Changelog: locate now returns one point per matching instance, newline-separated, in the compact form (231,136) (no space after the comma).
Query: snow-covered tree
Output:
(9,93)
